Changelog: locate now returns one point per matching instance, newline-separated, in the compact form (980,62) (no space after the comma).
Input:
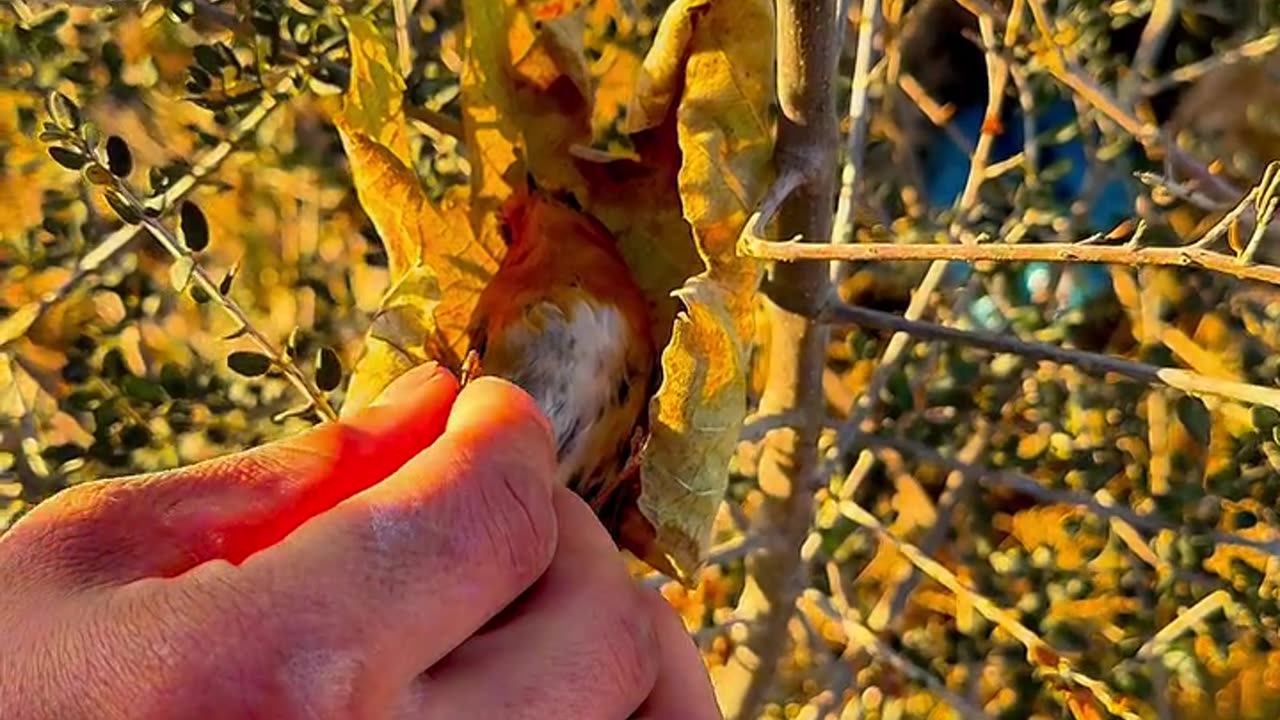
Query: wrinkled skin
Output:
(413,561)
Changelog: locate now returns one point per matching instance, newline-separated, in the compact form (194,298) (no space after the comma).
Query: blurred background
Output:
(110,365)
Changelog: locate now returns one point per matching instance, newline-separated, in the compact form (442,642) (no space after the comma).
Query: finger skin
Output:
(116,531)
(580,645)
(401,573)
(683,690)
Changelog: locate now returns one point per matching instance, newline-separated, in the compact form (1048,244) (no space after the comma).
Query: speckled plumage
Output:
(563,319)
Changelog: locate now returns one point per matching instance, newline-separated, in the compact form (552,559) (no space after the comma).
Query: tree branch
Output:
(1051,664)
(859,119)
(808,48)
(1092,363)
(1184,256)
(1101,503)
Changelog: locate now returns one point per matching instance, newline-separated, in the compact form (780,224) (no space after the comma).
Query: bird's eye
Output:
(504,229)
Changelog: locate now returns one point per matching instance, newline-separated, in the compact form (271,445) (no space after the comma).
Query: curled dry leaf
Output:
(525,101)
(725,135)
(702,157)
(437,265)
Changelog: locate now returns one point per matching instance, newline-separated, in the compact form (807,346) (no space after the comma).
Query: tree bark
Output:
(808,45)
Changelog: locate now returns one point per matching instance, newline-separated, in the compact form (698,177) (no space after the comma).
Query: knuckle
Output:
(516,519)
(314,682)
(73,531)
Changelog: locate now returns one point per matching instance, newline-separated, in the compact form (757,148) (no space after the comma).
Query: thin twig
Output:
(1040,654)
(436,120)
(859,119)
(404,51)
(1215,601)
(864,638)
(290,369)
(1190,72)
(1187,256)
(1092,363)
(1100,503)
(997,79)
(1075,79)
(1163,18)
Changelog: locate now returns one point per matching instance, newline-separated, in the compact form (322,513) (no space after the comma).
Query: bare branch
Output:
(862,637)
(859,118)
(1101,503)
(1193,71)
(997,80)
(404,51)
(1163,18)
(808,48)
(1185,256)
(1092,363)
(436,120)
(1040,654)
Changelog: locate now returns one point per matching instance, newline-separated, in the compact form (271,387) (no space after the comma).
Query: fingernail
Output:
(405,387)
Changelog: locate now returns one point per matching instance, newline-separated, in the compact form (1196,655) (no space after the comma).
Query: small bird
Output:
(563,319)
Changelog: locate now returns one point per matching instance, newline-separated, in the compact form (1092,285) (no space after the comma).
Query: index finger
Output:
(165,524)
(411,567)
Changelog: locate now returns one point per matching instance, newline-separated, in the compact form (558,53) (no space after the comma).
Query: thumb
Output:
(116,531)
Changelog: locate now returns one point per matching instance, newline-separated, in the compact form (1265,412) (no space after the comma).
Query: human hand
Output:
(413,561)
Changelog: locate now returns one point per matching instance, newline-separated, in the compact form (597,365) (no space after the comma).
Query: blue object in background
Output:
(946,168)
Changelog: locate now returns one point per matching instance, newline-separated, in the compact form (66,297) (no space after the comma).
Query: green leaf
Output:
(292,342)
(113,364)
(180,273)
(208,59)
(119,158)
(328,369)
(50,23)
(91,134)
(249,363)
(224,286)
(160,181)
(1264,417)
(143,389)
(67,158)
(63,111)
(98,175)
(1195,417)
(193,226)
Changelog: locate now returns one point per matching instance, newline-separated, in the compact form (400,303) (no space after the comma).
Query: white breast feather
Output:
(570,363)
